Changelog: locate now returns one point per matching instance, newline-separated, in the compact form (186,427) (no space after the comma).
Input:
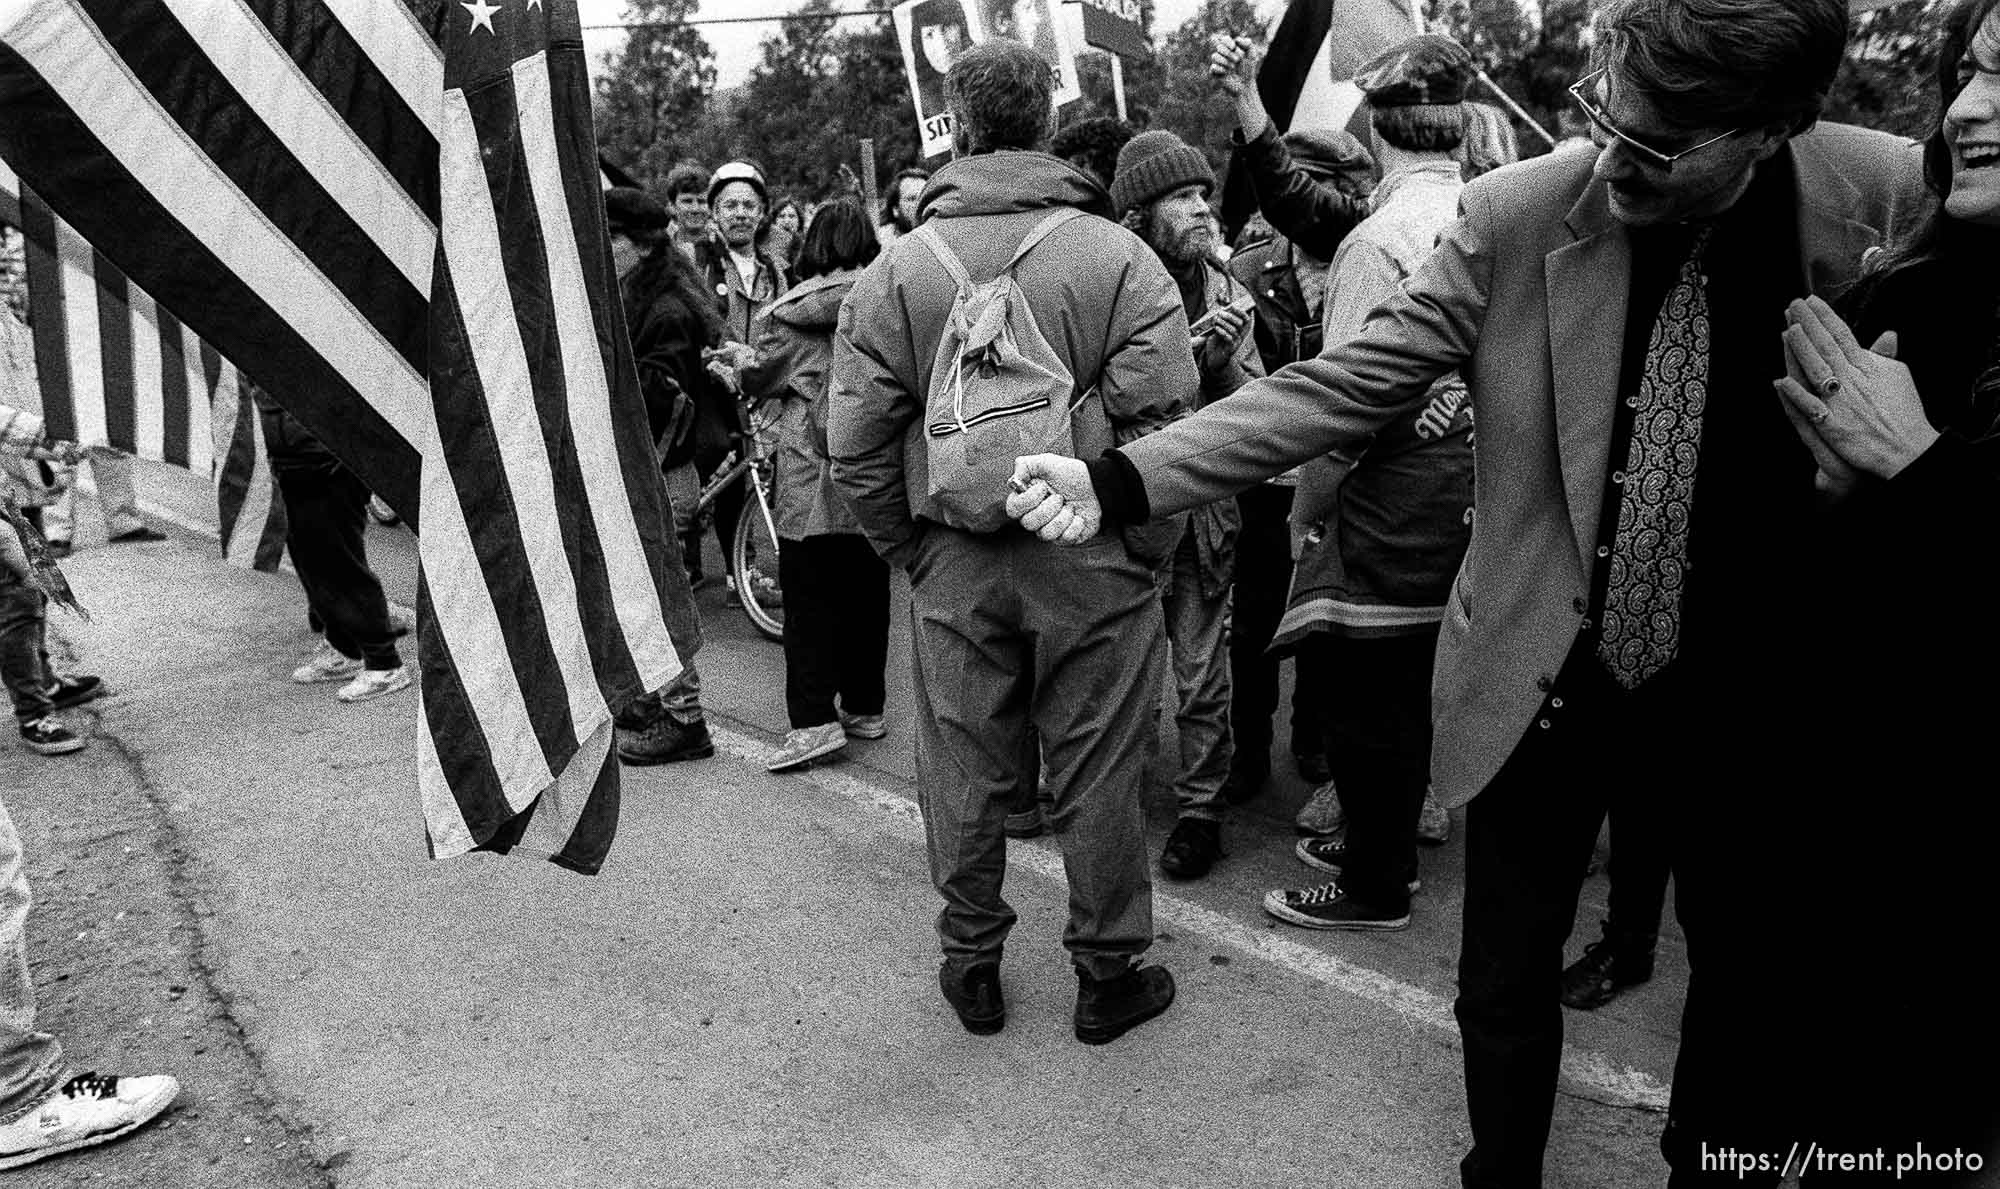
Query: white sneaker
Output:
(1322,814)
(373,683)
(326,664)
(806,744)
(88,1110)
(863,726)
(1433,824)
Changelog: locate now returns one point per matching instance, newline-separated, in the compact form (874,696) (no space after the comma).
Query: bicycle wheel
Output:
(756,557)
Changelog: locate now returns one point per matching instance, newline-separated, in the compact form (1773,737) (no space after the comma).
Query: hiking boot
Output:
(1029,823)
(326,664)
(370,684)
(1328,906)
(1330,855)
(803,745)
(1313,766)
(666,741)
(863,726)
(1245,782)
(87,1110)
(1107,1009)
(974,993)
(1433,823)
(75,690)
(1192,848)
(1322,814)
(48,736)
(1595,979)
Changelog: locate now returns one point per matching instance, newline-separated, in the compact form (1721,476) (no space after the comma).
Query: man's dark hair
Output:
(1430,128)
(1092,145)
(1726,63)
(686,178)
(891,206)
(840,237)
(999,93)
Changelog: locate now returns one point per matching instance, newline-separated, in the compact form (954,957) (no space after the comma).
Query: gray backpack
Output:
(998,390)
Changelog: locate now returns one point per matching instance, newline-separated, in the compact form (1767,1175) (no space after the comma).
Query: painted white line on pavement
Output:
(1604,1079)
(1594,1073)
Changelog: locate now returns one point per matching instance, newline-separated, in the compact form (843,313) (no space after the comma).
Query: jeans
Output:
(31,1062)
(24,657)
(836,627)
(1378,725)
(326,516)
(119,499)
(1197,628)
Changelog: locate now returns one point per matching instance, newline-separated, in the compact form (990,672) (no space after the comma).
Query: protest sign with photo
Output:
(932,32)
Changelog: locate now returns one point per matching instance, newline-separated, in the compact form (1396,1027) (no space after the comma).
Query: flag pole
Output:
(1519,113)
(1118,83)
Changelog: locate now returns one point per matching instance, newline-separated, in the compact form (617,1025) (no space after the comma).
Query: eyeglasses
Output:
(1581,89)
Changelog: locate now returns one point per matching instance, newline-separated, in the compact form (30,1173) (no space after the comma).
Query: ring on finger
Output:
(1830,387)
(1818,416)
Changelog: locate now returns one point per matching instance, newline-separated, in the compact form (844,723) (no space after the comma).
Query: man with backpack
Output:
(1017,313)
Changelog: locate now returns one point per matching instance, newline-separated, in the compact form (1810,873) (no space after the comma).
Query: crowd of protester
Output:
(1234,455)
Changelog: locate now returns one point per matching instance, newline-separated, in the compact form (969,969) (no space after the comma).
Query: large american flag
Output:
(390,218)
(113,369)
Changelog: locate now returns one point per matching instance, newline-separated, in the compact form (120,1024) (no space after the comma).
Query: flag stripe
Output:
(363,94)
(297,115)
(46,299)
(174,420)
(350,385)
(389,36)
(162,74)
(200,433)
(508,426)
(84,340)
(633,599)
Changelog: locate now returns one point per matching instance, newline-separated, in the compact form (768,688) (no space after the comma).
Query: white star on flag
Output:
(534,3)
(482,14)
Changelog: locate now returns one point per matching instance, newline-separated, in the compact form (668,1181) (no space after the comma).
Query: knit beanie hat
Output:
(632,210)
(738,171)
(1430,72)
(1155,164)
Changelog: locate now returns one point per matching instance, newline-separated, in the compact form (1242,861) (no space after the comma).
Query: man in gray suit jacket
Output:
(1645,515)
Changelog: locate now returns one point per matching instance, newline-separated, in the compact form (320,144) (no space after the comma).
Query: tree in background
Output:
(1888,81)
(652,96)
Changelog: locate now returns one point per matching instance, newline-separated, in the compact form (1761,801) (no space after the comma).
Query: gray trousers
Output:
(31,1061)
(1011,633)
(1198,639)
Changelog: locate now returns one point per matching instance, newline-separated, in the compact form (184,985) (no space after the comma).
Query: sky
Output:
(736,45)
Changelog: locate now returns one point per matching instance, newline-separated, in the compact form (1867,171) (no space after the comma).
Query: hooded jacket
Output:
(1106,304)
(794,356)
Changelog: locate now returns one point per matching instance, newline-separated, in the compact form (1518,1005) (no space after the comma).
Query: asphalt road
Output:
(232,885)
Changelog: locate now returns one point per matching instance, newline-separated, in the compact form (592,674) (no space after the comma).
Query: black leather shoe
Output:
(1107,1009)
(1192,848)
(665,742)
(1595,979)
(974,993)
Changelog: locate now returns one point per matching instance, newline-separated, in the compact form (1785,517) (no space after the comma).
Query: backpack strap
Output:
(927,236)
(1057,218)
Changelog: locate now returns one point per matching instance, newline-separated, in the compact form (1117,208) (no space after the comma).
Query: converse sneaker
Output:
(87,1110)
(1322,814)
(326,664)
(48,736)
(863,726)
(373,683)
(1330,855)
(75,690)
(1328,906)
(1433,824)
(806,744)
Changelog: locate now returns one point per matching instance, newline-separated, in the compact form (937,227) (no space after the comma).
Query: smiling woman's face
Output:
(1972,129)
